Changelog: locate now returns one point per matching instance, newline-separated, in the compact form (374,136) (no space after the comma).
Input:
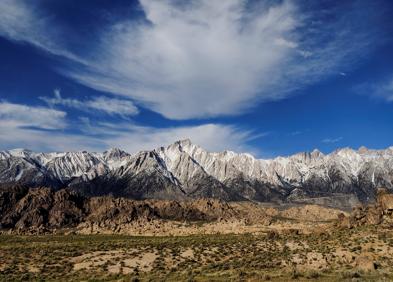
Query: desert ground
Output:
(202,240)
(358,254)
(284,250)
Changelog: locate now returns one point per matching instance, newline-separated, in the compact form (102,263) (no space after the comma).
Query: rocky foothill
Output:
(27,210)
(380,212)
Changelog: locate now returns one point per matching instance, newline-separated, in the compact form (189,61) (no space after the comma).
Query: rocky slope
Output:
(42,210)
(380,212)
(24,209)
(185,170)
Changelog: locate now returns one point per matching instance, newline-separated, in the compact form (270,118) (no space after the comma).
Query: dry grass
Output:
(333,256)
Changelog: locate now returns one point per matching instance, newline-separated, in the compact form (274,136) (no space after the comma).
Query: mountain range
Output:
(184,170)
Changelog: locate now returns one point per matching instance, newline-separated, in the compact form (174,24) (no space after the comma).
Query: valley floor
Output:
(360,254)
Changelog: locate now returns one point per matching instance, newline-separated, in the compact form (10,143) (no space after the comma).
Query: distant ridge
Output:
(186,170)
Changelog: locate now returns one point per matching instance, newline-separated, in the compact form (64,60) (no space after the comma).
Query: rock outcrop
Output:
(25,209)
(380,212)
(39,208)
(43,210)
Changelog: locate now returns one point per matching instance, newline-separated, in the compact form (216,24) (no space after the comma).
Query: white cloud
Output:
(35,128)
(380,90)
(112,106)
(17,115)
(387,91)
(22,21)
(18,22)
(332,140)
(206,58)
(211,58)
(133,138)
(18,137)
(39,128)
(295,133)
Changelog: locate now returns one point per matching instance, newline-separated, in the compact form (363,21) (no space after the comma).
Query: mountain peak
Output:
(189,167)
(184,142)
(114,153)
(363,150)
(20,152)
(316,153)
(344,151)
(113,150)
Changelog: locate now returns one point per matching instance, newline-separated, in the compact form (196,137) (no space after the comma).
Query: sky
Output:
(271,78)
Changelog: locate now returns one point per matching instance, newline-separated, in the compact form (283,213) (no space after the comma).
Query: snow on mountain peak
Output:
(20,152)
(363,150)
(114,154)
(316,153)
(186,162)
(184,142)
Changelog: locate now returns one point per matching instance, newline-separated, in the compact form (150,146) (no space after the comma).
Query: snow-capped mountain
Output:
(184,169)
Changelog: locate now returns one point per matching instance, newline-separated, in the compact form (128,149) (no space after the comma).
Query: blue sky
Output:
(267,77)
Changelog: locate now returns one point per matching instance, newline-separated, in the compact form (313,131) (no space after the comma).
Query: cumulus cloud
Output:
(112,106)
(16,115)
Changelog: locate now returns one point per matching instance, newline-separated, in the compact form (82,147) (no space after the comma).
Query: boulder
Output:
(385,201)
(374,214)
(365,263)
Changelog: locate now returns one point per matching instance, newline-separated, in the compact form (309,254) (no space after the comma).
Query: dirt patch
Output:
(311,213)
(118,261)
(143,263)
(293,246)
(310,261)
(33,269)
(188,253)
